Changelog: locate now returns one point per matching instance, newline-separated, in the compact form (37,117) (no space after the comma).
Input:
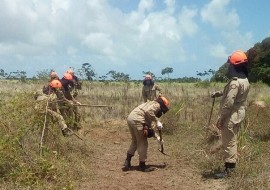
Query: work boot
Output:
(127,163)
(144,168)
(229,168)
(66,132)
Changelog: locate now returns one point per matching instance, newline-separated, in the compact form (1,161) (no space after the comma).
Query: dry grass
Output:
(186,132)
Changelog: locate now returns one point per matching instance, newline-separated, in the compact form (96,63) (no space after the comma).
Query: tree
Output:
(44,74)
(20,75)
(103,78)
(87,71)
(167,71)
(258,63)
(222,74)
(118,76)
(3,74)
(206,73)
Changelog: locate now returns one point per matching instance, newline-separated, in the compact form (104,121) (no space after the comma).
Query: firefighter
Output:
(53,76)
(69,111)
(53,97)
(76,85)
(142,123)
(150,90)
(232,109)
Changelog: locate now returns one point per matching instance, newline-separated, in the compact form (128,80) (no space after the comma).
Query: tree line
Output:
(258,64)
(88,73)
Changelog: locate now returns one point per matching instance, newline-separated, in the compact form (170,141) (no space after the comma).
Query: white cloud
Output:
(219,15)
(71,50)
(99,42)
(145,5)
(59,5)
(218,51)
(187,21)
(157,32)
(236,40)
(44,38)
(170,6)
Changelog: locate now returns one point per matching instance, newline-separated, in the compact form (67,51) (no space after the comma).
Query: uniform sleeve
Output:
(60,96)
(228,100)
(159,90)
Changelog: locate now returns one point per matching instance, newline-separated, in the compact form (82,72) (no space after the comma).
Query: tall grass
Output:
(185,128)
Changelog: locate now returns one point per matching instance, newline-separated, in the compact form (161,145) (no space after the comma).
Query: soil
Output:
(109,152)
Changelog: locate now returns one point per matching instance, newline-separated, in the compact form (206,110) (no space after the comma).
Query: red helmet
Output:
(55,84)
(68,76)
(165,101)
(238,57)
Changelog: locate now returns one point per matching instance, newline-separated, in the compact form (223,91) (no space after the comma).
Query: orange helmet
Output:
(238,57)
(68,76)
(55,84)
(165,101)
(70,71)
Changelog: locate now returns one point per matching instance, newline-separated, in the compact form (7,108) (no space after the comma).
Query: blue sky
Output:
(129,36)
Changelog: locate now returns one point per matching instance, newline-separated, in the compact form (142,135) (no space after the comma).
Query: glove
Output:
(77,102)
(160,142)
(159,125)
(216,94)
(71,103)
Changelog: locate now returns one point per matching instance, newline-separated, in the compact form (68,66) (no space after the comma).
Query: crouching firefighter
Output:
(51,98)
(142,122)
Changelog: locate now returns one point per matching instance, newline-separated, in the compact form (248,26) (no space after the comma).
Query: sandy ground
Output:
(109,152)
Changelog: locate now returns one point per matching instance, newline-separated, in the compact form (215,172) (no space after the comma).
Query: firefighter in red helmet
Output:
(49,101)
(142,123)
(232,108)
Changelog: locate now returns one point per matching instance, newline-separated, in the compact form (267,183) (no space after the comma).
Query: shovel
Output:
(161,146)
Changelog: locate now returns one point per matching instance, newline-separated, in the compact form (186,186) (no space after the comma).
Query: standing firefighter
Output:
(49,102)
(76,85)
(141,122)
(68,111)
(150,90)
(232,109)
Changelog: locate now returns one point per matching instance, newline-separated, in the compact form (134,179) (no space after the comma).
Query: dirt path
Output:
(109,151)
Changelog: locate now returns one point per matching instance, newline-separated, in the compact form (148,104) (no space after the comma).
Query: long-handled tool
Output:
(213,135)
(97,106)
(161,146)
(213,103)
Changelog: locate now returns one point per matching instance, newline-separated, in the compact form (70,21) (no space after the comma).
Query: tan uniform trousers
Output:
(138,140)
(58,117)
(229,141)
(52,112)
